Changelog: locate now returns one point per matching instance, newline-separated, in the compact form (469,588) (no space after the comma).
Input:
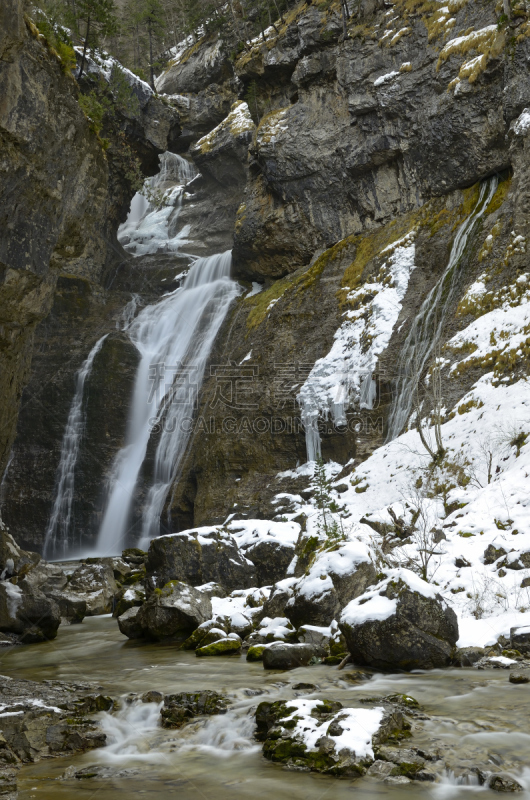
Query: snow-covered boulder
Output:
(322,736)
(269,545)
(199,556)
(401,623)
(335,578)
(173,612)
(280,594)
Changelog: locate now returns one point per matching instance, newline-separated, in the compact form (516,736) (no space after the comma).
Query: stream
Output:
(479,716)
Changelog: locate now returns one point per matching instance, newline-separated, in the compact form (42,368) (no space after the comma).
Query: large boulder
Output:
(26,612)
(94,583)
(173,612)
(400,624)
(277,601)
(199,556)
(222,153)
(322,736)
(196,68)
(335,578)
(129,624)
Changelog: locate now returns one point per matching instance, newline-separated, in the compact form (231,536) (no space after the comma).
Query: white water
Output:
(129,729)
(128,313)
(174,338)
(146,229)
(57,538)
(428,324)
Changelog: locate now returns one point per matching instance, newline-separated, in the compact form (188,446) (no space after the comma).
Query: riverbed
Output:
(475,717)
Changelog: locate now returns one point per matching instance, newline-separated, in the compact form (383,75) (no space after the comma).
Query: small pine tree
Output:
(327,524)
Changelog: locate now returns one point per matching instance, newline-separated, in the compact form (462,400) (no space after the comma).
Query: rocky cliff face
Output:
(342,198)
(61,200)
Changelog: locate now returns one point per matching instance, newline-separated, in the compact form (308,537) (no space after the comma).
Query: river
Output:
(475,717)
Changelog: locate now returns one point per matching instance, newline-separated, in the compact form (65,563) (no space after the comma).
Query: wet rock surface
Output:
(180,708)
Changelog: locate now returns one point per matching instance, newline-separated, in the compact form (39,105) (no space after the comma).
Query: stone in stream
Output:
(255,652)
(173,612)
(468,656)
(520,677)
(225,646)
(200,633)
(504,783)
(128,597)
(180,708)
(198,557)
(322,736)
(402,623)
(280,655)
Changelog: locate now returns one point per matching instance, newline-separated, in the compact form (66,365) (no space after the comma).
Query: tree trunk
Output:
(85,45)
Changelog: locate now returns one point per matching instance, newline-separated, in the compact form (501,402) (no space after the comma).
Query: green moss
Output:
(260,302)
(224,647)
(255,653)
(500,196)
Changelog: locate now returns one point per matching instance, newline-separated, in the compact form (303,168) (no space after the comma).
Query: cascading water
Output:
(146,229)
(58,535)
(428,324)
(174,338)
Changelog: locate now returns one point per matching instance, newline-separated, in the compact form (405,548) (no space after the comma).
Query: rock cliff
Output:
(342,196)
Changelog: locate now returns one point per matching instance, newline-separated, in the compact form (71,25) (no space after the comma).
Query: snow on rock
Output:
(385,78)
(344,375)
(522,123)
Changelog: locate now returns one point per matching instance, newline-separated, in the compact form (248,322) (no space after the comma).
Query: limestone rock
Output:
(401,623)
(174,612)
(197,557)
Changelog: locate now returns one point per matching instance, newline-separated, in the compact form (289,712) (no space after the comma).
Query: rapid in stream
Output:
(473,716)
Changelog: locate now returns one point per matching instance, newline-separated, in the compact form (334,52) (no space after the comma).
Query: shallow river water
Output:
(477,717)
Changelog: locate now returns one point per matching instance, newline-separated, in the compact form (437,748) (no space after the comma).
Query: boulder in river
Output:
(520,639)
(322,736)
(401,623)
(174,612)
(129,624)
(197,557)
(225,646)
(180,708)
(281,655)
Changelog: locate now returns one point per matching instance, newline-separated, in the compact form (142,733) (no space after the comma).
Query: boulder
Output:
(229,645)
(333,580)
(280,595)
(197,557)
(196,68)
(95,583)
(72,608)
(128,597)
(321,736)
(180,708)
(271,560)
(26,612)
(200,633)
(121,569)
(400,624)
(281,655)
(468,656)
(222,154)
(270,630)
(492,553)
(255,652)
(130,625)
(520,677)
(504,783)
(174,612)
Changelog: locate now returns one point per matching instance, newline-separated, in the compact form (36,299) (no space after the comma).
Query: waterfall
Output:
(128,313)
(56,539)
(174,338)
(427,327)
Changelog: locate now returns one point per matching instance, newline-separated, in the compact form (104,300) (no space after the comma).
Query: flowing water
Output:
(476,717)
(174,338)
(427,326)
(59,538)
